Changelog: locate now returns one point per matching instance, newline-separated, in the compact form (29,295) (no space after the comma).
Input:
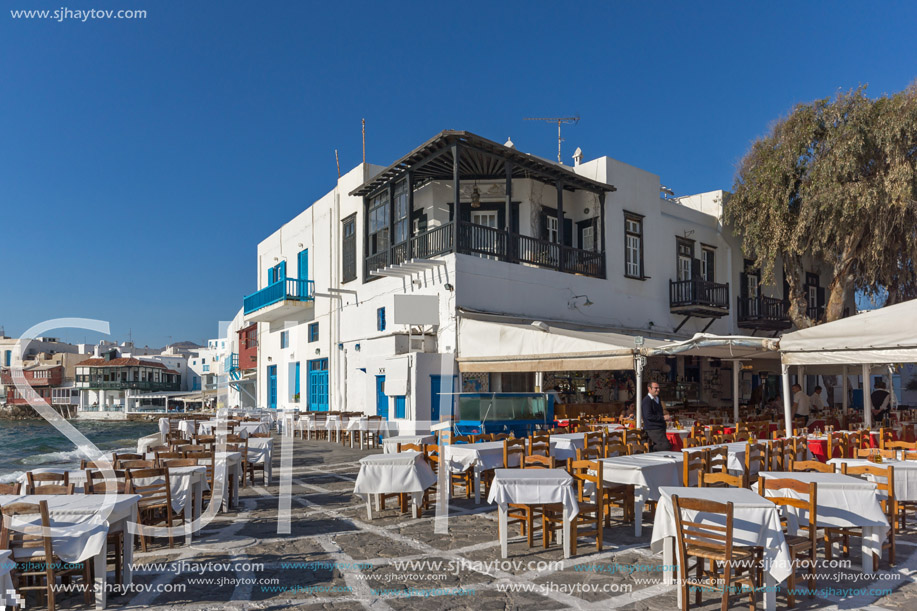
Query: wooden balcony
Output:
(492,243)
(763,313)
(698,298)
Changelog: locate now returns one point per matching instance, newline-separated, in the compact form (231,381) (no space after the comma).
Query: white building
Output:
(582,249)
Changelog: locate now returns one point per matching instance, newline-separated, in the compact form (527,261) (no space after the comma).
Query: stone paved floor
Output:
(334,558)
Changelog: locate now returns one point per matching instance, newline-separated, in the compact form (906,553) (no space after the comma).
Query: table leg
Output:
(770,592)
(639,502)
(568,541)
(100,566)
(127,558)
(668,560)
(504,530)
(369,506)
(477,484)
(236,484)
(872,543)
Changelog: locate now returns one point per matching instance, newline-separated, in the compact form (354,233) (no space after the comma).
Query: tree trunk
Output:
(839,291)
(796,310)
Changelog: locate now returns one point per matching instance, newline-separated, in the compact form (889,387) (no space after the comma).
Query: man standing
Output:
(800,404)
(817,401)
(881,402)
(654,419)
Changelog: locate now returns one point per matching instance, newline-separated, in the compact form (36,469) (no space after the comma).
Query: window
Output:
(380,319)
(551,228)
(378,224)
(588,238)
(685,257)
(8,357)
(206,368)
(402,222)
(708,263)
(313,332)
(633,247)
(349,249)
(284,339)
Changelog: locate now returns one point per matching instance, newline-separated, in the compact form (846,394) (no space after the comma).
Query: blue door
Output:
(399,406)
(296,395)
(272,386)
(318,385)
(303,265)
(436,392)
(381,397)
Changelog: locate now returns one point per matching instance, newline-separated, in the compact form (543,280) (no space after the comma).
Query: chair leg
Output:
(791,583)
(528,527)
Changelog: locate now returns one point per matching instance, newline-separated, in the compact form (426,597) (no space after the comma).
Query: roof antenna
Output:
(338,162)
(364,141)
(560,121)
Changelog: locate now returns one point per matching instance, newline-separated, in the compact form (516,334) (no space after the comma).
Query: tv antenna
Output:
(560,121)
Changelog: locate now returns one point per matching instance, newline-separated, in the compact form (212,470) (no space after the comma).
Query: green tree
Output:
(837,180)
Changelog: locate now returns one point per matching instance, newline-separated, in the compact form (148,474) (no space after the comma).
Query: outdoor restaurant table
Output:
(646,473)
(756,522)
(144,443)
(390,444)
(333,424)
(565,445)
(482,456)
(404,472)
(676,437)
(905,474)
(90,508)
(533,487)
(261,452)
(736,459)
(6,582)
(364,424)
(233,473)
(186,485)
(243,429)
(844,501)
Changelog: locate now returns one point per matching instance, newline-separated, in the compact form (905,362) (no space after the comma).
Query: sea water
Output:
(32,444)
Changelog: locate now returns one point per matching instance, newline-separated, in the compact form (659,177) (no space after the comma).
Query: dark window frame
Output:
(313,332)
(349,248)
(636,218)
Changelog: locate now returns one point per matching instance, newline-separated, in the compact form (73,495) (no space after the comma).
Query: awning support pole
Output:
(845,391)
(736,370)
(639,362)
(867,400)
(787,400)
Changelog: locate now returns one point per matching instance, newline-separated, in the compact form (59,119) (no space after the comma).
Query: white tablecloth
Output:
(905,474)
(243,429)
(261,452)
(6,583)
(181,481)
(144,443)
(390,473)
(390,444)
(644,471)
(565,445)
(463,456)
(534,487)
(164,427)
(736,460)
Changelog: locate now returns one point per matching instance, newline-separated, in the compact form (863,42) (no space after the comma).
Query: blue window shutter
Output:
(304,264)
(399,406)
(270,276)
(282,270)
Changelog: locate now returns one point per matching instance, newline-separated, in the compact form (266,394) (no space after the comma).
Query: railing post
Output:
(456,197)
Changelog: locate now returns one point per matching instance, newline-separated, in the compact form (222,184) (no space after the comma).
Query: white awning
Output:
(886,335)
(721,347)
(493,343)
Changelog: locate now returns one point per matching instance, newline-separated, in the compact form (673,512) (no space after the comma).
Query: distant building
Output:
(109,384)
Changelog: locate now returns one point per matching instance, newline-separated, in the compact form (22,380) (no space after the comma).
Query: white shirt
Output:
(801,399)
(817,401)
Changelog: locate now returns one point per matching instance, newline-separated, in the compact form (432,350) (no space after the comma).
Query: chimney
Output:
(577,156)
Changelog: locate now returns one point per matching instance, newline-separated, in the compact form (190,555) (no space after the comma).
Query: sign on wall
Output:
(416,309)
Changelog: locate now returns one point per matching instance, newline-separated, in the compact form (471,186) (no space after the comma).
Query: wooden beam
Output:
(602,222)
(410,185)
(508,168)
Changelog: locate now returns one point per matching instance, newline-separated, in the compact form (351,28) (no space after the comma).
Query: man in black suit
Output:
(654,420)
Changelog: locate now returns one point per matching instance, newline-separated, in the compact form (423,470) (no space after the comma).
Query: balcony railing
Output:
(129,385)
(763,310)
(231,363)
(698,293)
(495,244)
(287,289)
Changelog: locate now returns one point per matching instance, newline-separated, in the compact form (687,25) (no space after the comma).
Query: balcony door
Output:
(272,386)
(318,385)
(484,241)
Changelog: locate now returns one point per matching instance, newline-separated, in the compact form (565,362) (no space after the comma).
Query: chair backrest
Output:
(152,492)
(540,445)
(718,460)
(259,435)
(159,448)
(779,456)
(462,439)
(693,442)
(136,464)
(120,457)
(693,464)
(169,455)
(98,474)
(537,461)
(635,435)
(588,453)
(50,489)
(615,446)
(513,453)
(755,453)
(867,452)
(691,532)
(408,447)
(97,484)
(499,436)
(10,488)
(800,447)
(39,478)
(884,478)
(595,440)
(900,445)
(721,477)
(885,436)
(811,465)
(587,471)
(15,537)
(194,448)
(171,463)
(908,455)
(839,445)
(637,447)
(809,491)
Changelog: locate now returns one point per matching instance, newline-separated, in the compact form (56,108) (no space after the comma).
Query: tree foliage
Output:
(835,180)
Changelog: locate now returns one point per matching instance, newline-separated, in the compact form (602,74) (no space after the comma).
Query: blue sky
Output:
(141,161)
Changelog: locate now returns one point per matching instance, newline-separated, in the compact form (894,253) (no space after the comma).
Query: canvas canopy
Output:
(886,335)
(720,347)
(495,343)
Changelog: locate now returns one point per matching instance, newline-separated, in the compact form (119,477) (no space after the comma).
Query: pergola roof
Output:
(479,159)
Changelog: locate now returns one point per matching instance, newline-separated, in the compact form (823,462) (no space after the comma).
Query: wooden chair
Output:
(693,464)
(809,466)
(886,436)
(693,442)
(537,461)
(638,447)
(539,445)
(155,505)
(41,478)
(884,478)
(799,446)
(720,479)
(159,448)
(161,456)
(718,460)
(588,454)
(97,484)
(779,456)
(513,453)
(119,457)
(51,489)
(371,436)
(34,548)
(838,446)
(595,441)
(867,452)
(755,455)
(591,517)
(10,488)
(137,464)
(615,446)
(799,546)
(171,463)
(713,543)
(252,466)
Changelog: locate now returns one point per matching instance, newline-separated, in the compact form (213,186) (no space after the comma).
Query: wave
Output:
(6,478)
(57,458)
